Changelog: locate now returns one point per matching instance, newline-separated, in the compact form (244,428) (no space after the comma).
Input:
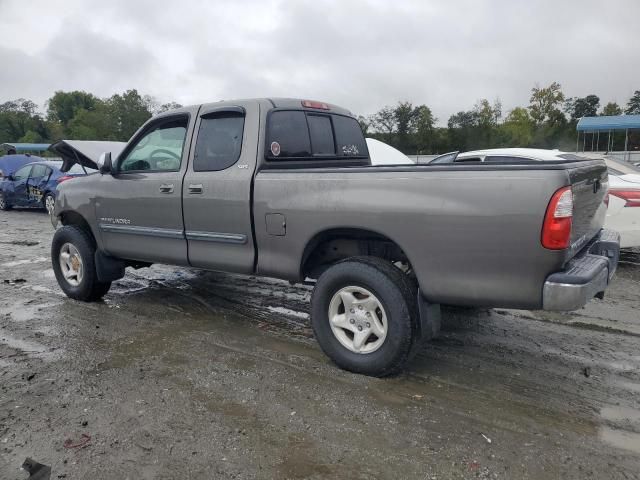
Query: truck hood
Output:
(84,152)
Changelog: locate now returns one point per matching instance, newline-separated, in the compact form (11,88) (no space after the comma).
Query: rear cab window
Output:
(219,142)
(314,138)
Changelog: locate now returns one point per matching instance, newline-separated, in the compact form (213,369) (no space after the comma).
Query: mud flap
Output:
(109,268)
(428,323)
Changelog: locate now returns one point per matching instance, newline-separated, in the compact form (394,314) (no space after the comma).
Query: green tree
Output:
(404,115)
(364,124)
(612,108)
(19,105)
(63,106)
(633,106)
(518,128)
(19,122)
(96,124)
(544,102)
(128,112)
(384,121)
(582,107)
(462,130)
(485,133)
(424,123)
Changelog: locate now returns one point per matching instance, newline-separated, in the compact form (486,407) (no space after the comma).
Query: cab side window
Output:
(158,150)
(219,142)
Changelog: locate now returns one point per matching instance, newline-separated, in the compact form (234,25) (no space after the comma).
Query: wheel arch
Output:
(334,244)
(71,217)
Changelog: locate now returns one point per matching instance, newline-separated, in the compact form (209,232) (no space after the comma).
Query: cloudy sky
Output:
(356,53)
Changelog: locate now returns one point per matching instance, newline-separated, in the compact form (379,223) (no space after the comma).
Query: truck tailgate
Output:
(589,184)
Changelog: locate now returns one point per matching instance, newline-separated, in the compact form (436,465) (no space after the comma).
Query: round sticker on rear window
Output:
(275,149)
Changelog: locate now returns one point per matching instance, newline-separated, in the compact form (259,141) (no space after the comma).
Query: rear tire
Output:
(72,258)
(48,202)
(4,204)
(389,313)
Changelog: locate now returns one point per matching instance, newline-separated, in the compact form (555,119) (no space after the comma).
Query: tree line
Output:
(78,115)
(548,121)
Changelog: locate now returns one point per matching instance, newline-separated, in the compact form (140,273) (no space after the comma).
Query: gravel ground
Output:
(188,374)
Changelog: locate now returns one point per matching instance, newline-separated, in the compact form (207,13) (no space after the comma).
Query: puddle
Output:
(24,311)
(16,263)
(622,431)
(621,439)
(288,311)
(27,347)
(620,414)
(631,386)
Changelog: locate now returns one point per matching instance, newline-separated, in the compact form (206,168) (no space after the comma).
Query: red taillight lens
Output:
(556,230)
(64,179)
(314,104)
(632,197)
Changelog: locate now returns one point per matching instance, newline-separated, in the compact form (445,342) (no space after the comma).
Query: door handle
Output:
(194,189)
(166,188)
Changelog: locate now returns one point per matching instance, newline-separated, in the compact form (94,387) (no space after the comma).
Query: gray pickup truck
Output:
(285,188)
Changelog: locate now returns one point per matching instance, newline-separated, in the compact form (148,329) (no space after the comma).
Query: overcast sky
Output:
(359,54)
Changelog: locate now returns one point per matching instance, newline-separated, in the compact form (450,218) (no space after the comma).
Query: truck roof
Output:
(276,102)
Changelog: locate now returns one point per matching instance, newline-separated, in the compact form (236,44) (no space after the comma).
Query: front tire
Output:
(363,313)
(72,258)
(4,204)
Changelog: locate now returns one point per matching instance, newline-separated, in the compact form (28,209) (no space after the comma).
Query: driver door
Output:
(139,206)
(18,194)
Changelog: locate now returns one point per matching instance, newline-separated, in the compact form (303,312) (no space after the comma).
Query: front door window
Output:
(158,150)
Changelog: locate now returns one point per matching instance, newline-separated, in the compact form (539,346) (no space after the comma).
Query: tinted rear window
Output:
(321,135)
(349,138)
(288,135)
(304,135)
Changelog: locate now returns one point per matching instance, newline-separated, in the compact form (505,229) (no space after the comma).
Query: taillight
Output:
(64,179)
(556,230)
(314,104)
(632,197)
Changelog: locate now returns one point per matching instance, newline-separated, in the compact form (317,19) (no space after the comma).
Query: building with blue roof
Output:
(591,129)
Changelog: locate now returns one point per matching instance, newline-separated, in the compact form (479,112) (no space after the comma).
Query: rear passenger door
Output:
(217,188)
(37,181)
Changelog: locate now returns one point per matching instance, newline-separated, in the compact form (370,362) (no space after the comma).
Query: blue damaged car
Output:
(34,185)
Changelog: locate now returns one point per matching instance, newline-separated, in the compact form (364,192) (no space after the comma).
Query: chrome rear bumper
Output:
(587,274)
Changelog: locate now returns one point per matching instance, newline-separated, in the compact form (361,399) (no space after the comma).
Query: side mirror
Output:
(104,163)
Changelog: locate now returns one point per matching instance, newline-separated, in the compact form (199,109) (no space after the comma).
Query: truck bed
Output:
(470,232)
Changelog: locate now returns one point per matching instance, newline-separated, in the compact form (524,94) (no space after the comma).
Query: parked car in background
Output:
(34,184)
(623,212)
(383,154)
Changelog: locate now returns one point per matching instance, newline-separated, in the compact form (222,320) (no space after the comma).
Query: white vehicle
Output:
(624,195)
(383,154)
(623,213)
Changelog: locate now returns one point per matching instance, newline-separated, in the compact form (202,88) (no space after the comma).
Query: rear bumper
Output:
(586,275)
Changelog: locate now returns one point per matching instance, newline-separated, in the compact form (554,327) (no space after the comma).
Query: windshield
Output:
(446,158)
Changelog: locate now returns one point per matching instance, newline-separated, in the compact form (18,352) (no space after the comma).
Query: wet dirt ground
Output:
(188,374)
